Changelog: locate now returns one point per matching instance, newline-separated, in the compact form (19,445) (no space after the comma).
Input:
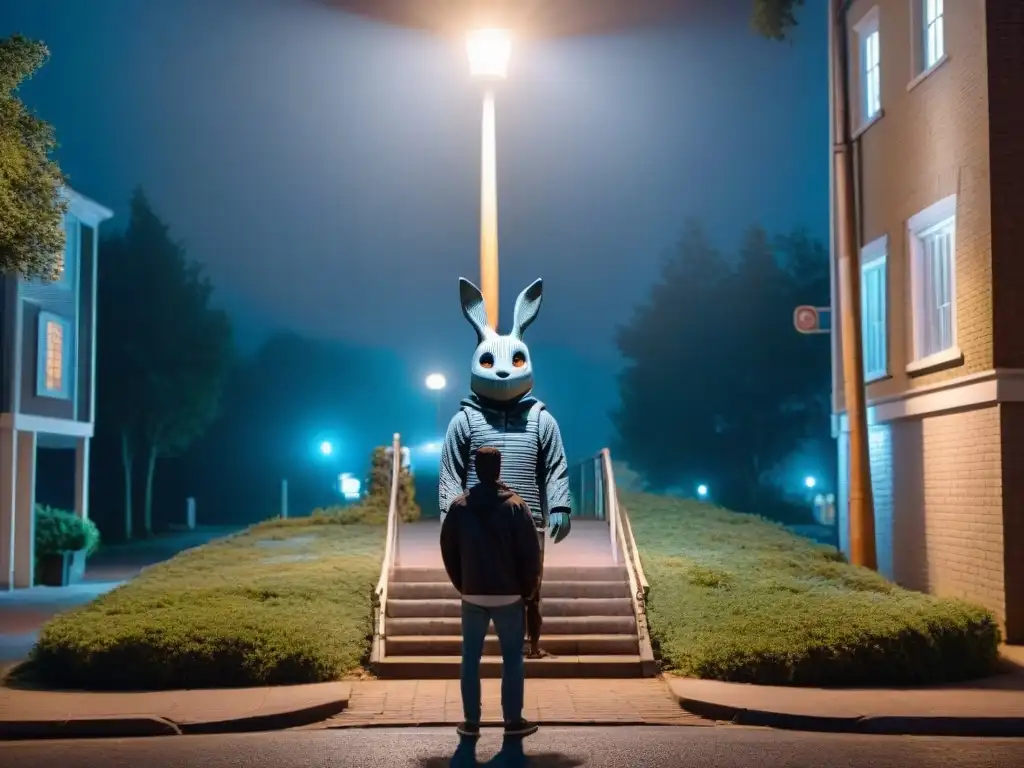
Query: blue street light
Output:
(702,491)
(810,481)
(326,448)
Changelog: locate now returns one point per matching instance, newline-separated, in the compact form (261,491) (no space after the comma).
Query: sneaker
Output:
(468,729)
(520,728)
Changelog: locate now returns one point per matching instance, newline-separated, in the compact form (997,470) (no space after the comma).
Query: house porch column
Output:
(82,477)
(8,477)
(25,510)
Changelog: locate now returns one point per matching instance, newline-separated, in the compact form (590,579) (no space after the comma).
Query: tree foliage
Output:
(776,19)
(165,351)
(718,387)
(378,486)
(31,206)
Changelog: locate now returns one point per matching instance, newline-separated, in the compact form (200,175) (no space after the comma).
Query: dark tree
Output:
(164,351)
(718,386)
(667,427)
(31,207)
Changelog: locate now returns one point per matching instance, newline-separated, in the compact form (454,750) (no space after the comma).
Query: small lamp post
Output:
(489,51)
(436,383)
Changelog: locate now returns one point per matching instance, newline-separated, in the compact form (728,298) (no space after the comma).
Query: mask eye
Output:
(486,360)
(519,359)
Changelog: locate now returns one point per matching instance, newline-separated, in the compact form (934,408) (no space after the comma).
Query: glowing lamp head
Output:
(810,481)
(702,490)
(326,448)
(489,51)
(436,382)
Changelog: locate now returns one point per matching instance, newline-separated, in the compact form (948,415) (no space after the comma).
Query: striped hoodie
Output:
(533,460)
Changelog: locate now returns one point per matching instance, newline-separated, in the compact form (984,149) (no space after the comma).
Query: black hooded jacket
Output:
(489,543)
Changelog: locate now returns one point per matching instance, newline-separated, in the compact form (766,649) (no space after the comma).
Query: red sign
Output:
(805,319)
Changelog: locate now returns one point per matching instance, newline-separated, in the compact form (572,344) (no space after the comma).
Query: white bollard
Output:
(190,513)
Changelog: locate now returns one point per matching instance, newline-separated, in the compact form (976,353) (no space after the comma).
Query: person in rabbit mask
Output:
(502,412)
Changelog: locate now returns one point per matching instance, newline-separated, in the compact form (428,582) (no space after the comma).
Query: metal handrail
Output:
(387,566)
(622,540)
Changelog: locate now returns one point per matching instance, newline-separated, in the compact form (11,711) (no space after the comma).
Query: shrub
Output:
(273,605)
(58,531)
(735,597)
(378,487)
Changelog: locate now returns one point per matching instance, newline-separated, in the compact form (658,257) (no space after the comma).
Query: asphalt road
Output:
(719,747)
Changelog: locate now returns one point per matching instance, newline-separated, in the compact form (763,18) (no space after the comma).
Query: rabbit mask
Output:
(502,367)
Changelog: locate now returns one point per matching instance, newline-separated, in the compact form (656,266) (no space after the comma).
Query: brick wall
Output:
(939,509)
(880,453)
(881,457)
(1012,422)
(931,141)
(1005,27)
(950,537)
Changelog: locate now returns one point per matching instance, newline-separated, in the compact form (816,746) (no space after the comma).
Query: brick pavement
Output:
(547,701)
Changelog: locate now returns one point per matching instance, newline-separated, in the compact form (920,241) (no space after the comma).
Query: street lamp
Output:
(810,481)
(489,51)
(326,448)
(702,491)
(436,382)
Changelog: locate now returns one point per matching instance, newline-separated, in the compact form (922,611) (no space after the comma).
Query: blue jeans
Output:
(508,623)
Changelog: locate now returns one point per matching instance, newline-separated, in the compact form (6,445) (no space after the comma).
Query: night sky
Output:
(325,167)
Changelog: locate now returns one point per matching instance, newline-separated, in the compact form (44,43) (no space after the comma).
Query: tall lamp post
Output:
(436,383)
(489,51)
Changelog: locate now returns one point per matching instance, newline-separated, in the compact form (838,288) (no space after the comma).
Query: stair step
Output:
(561,645)
(443,590)
(553,625)
(448,667)
(552,573)
(559,606)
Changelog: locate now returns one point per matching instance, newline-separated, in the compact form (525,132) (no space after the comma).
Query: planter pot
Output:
(62,569)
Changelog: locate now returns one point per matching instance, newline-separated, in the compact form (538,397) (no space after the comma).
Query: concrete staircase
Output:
(589,626)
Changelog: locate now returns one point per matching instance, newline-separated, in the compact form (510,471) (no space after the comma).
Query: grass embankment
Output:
(287,601)
(734,597)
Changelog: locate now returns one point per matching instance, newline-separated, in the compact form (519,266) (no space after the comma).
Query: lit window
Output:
(934,33)
(874,328)
(933,254)
(869,83)
(72,243)
(52,351)
(54,356)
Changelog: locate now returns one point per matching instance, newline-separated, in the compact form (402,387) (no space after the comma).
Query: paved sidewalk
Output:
(57,714)
(993,706)
(378,703)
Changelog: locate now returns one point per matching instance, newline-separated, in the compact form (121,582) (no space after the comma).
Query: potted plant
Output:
(63,543)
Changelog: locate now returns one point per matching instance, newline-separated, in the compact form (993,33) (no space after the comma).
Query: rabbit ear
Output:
(473,308)
(527,307)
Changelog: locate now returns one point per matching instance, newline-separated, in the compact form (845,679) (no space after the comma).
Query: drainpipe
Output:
(860,507)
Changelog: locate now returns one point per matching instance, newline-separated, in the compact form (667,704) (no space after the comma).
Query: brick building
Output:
(937,111)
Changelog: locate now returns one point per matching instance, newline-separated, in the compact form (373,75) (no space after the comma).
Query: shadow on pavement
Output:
(511,755)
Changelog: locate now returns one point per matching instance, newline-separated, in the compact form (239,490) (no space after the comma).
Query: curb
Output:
(609,723)
(143,726)
(87,728)
(878,725)
(278,721)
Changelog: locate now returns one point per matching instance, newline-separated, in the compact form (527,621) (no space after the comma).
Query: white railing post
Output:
(387,567)
(608,504)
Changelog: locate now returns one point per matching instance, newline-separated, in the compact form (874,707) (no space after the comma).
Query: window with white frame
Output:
(869,54)
(933,26)
(933,277)
(874,325)
(54,343)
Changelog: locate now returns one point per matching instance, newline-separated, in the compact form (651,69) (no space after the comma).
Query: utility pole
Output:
(860,507)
